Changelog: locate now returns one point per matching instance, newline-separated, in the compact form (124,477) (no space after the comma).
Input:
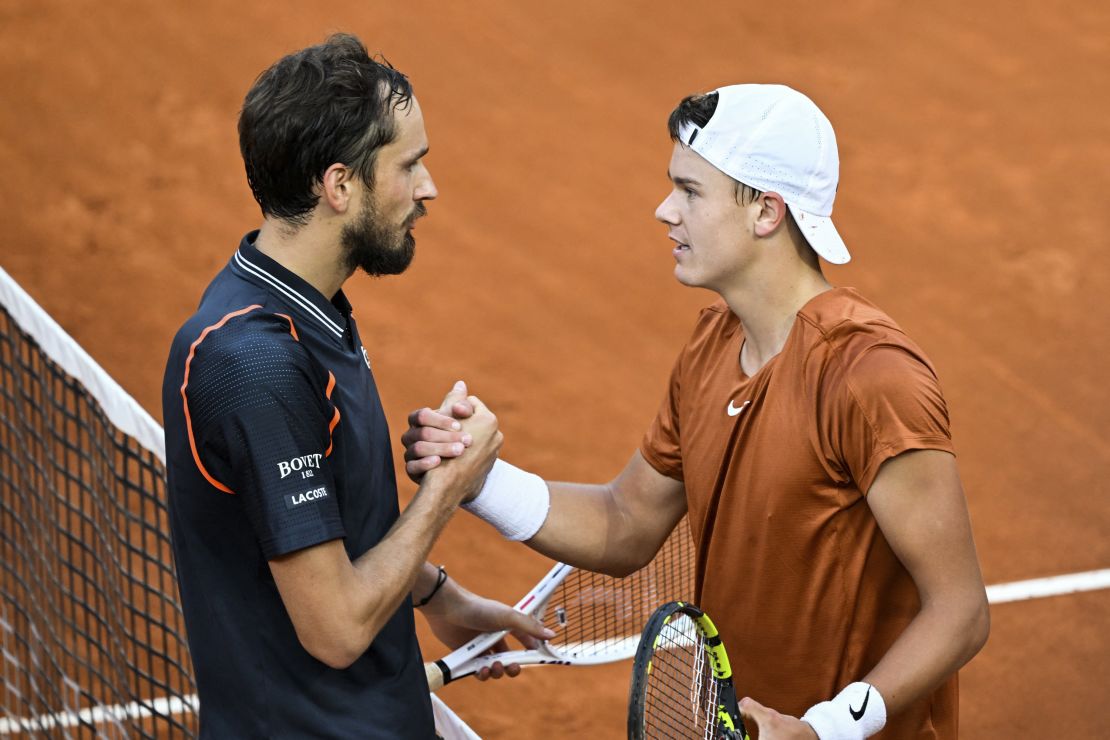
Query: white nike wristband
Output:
(514,501)
(857,712)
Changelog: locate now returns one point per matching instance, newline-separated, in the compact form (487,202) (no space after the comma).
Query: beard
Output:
(378,248)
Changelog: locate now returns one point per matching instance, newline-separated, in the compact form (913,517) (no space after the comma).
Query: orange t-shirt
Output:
(791,563)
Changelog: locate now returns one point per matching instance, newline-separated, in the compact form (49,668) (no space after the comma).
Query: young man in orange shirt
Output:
(805,434)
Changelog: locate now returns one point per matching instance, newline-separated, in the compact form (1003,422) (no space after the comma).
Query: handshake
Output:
(437,439)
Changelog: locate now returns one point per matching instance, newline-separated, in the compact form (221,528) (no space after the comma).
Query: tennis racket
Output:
(681,679)
(596,618)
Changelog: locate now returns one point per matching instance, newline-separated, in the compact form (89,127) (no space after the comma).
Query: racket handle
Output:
(434,673)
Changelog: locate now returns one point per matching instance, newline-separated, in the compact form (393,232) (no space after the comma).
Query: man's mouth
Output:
(419,212)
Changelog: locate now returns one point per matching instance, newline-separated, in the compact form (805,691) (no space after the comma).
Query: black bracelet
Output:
(440,580)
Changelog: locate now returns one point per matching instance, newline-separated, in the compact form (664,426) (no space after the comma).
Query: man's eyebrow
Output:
(418,155)
(681,181)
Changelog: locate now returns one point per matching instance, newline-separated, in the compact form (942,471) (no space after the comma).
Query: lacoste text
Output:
(295,499)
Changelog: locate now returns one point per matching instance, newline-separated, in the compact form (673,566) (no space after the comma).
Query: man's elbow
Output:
(335,650)
(628,561)
(980,627)
(619,569)
(971,627)
(333,654)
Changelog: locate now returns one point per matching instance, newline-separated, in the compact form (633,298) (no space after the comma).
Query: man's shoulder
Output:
(243,336)
(850,324)
(240,346)
(861,340)
(230,300)
(236,331)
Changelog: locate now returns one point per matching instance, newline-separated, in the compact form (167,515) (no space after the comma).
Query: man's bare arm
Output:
(919,503)
(338,606)
(615,527)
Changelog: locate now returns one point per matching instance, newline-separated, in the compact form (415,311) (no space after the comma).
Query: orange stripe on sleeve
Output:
(185,399)
(188,419)
(331,386)
(335,418)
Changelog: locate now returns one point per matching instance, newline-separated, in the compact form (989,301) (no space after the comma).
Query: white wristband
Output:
(857,712)
(514,501)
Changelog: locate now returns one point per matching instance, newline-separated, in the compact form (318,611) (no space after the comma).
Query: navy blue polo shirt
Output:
(276,441)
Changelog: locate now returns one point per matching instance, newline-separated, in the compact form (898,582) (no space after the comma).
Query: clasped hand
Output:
(436,440)
(435,435)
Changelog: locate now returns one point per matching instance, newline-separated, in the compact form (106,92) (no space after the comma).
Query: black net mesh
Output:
(92,641)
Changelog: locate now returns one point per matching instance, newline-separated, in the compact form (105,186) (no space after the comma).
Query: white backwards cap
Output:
(773,138)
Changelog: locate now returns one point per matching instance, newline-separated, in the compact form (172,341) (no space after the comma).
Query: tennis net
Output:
(92,640)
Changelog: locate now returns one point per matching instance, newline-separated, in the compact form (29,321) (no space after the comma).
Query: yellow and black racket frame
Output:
(728,711)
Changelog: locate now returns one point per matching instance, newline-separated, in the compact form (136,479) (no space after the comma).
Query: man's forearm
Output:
(425,583)
(613,528)
(918,501)
(938,642)
(390,571)
(587,528)
(338,606)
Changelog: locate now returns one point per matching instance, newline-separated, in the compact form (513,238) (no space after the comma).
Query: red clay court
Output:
(975,151)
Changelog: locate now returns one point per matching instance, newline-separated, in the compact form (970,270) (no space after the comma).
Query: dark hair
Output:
(325,104)
(698,109)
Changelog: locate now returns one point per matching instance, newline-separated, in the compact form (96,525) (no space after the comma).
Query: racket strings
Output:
(595,615)
(681,692)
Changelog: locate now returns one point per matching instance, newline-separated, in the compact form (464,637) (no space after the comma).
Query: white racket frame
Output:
(473,657)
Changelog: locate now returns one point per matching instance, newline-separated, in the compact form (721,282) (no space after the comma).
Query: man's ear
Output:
(772,212)
(338,187)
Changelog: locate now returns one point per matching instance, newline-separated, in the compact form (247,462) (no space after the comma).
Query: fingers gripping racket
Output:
(596,618)
(681,680)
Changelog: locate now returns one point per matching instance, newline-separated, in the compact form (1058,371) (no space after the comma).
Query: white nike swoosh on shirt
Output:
(733,411)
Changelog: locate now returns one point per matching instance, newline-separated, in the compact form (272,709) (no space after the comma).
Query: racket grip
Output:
(434,674)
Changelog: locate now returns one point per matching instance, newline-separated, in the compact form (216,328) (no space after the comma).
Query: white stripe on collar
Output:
(289,293)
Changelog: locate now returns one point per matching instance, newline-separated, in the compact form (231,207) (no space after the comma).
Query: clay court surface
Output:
(975,149)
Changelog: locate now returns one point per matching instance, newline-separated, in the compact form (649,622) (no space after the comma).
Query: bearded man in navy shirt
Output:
(298,573)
